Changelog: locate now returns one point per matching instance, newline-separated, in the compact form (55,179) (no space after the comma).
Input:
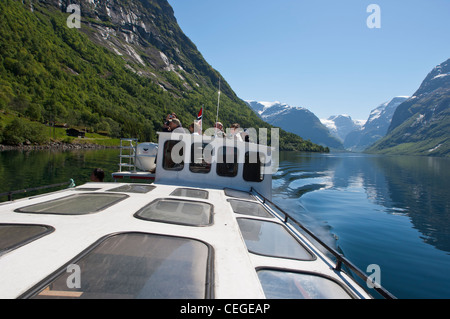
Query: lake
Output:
(391,211)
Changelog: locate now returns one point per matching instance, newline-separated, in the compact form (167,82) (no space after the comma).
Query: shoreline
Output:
(54,146)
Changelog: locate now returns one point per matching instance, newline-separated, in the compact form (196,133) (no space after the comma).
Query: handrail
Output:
(10,194)
(340,259)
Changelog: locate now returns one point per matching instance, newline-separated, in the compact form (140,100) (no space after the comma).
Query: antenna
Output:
(218,103)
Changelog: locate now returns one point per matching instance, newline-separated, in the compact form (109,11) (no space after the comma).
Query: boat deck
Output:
(229,261)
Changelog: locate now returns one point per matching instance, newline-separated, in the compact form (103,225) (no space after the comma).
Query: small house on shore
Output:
(75,133)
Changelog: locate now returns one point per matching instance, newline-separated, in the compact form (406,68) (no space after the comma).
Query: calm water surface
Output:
(393,211)
(20,170)
(389,211)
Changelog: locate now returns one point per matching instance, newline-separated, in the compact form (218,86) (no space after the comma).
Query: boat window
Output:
(254,167)
(133,188)
(227,163)
(190,192)
(87,189)
(177,211)
(279,284)
(173,152)
(135,266)
(201,157)
(77,204)
(13,236)
(271,239)
(249,208)
(238,194)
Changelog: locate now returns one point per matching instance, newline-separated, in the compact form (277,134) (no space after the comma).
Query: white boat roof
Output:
(215,241)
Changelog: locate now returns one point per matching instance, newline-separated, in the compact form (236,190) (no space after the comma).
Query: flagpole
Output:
(218,103)
(203,111)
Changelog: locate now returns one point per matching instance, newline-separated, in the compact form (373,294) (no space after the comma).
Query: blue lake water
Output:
(392,211)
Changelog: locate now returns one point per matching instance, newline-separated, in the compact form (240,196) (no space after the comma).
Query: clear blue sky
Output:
(319,54)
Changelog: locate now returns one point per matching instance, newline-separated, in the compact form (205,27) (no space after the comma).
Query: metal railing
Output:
(340,259)
(10,194)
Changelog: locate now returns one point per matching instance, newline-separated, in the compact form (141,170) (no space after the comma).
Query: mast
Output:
(218,104)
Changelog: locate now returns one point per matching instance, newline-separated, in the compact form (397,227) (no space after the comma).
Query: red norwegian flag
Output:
(198,123)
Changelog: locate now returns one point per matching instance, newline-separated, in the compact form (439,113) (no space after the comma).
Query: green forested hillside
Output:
(51,73)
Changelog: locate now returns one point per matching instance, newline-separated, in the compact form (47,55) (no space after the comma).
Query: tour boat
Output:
(204,227)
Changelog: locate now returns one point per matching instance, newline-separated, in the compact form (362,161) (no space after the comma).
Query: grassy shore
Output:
(20,133)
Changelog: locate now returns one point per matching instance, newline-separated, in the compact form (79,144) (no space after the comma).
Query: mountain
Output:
(421,124)
(120,73)
(341,125)
(375,127)
(296,120)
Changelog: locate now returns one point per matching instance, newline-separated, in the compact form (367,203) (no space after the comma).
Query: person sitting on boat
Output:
(169,117)
(218,127)
(235,132)
(97,175)
(174,124)
(194,129)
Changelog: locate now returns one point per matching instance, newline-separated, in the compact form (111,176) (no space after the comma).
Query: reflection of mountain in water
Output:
(420,186)
(416,187)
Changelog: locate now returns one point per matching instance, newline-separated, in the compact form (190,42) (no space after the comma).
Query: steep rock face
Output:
(421,125)
(146,34)
(296,120)
(435,86)
(375,127)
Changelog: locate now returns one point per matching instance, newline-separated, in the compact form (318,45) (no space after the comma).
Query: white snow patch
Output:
(440,76)
(434,148)
(360,122)
(329,124)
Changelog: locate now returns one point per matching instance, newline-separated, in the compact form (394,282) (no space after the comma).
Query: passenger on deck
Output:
(218,127)
(174,123)
(167,122)
(97,175)
(235,132)
(194,129)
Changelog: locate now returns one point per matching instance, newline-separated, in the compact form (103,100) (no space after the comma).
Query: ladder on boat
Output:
(128,152)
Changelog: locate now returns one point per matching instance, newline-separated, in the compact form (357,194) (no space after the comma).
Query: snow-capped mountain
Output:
(420,125)
(341,125)
(297,120)
(375,127)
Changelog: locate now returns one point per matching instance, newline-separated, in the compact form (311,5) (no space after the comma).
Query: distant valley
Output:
(338,132)
(416,125)
(297,120)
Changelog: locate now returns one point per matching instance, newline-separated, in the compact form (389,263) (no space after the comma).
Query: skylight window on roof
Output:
(135,266)
(133,188)
(279,284)
(249,208)
(177,211)
(87,189)
(190,192)
(238,194)
(271,239)
(77,204)
(13,236)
